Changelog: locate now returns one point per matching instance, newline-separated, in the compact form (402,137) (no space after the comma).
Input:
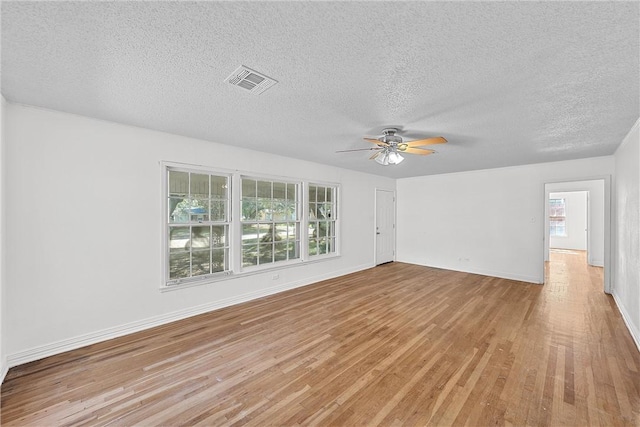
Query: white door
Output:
(385,226)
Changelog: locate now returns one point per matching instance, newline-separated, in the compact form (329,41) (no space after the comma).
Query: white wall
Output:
(596,218)
(575,221)
(3,324)
(626,248)
(487,222)
(83,250)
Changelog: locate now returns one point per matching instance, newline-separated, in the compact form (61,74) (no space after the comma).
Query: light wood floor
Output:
(394,345)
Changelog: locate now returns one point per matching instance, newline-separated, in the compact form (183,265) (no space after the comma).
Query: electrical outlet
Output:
(275,277)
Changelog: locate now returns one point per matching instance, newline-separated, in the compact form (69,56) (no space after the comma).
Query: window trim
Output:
(236,270)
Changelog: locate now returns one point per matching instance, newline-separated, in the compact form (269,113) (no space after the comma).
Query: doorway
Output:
(577,218)
(385,237)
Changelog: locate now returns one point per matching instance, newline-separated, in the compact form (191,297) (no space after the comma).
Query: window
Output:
(218,224)
(322,219)
(557,218)
(197,221)
(270,222)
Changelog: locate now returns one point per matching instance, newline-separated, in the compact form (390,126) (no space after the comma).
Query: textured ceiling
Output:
(506,83)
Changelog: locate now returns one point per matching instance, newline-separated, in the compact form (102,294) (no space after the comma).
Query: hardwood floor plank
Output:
(395,345)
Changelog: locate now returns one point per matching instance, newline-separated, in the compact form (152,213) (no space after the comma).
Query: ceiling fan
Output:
(389,147)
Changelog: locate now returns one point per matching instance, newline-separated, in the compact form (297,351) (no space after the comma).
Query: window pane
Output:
(280,249)
(178,184)
(320,191)
(199,210)
(292,210)
(329,194)
(332,245)
(291,192)
(200,237)
(264,210)
(264,189)
(265,232)
(199,186)
(179,265)
(249,255)
(248,188)
(279,190)
(312,193)
(280,231)
(220,260)
(322,229)
(313,246)
(249,211)
(313,209)
(312,230)
(327,210)
(249,234)
(218,210)
(219,187)
(179,239)
(178,210)
(556,207)
(322,246)
(200,262)
(280,211)
(219,236)
(265,253)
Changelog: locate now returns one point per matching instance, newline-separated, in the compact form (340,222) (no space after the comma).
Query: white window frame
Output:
(235,225)
(167,225)
(336,219)
(298,220)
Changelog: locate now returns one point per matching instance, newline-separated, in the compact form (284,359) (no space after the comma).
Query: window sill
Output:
(247,273)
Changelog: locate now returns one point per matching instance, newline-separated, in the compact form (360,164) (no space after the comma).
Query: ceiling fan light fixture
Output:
(389,158)
(395,158)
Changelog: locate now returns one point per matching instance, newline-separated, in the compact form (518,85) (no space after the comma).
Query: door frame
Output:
(375,223)
(608,280)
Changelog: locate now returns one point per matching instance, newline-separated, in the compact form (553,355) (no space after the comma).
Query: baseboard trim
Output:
(3,373)
(596,262)
(62,346)
(482,272)
(635,333)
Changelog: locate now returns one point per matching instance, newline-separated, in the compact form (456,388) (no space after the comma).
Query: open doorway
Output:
(577,218)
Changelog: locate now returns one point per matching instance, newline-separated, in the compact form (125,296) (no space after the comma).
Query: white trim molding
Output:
(633,330)
(3,373)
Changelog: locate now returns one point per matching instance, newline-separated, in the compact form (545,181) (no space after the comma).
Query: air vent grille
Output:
(250,80)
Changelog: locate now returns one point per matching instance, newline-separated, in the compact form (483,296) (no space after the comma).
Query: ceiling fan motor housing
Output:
(390,136)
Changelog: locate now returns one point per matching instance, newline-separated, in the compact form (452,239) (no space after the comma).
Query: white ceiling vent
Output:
(250,80)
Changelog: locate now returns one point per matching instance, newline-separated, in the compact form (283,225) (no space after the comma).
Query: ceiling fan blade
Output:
(377,142)
(419,151)
(357,149)
(375,155)
(422,142)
